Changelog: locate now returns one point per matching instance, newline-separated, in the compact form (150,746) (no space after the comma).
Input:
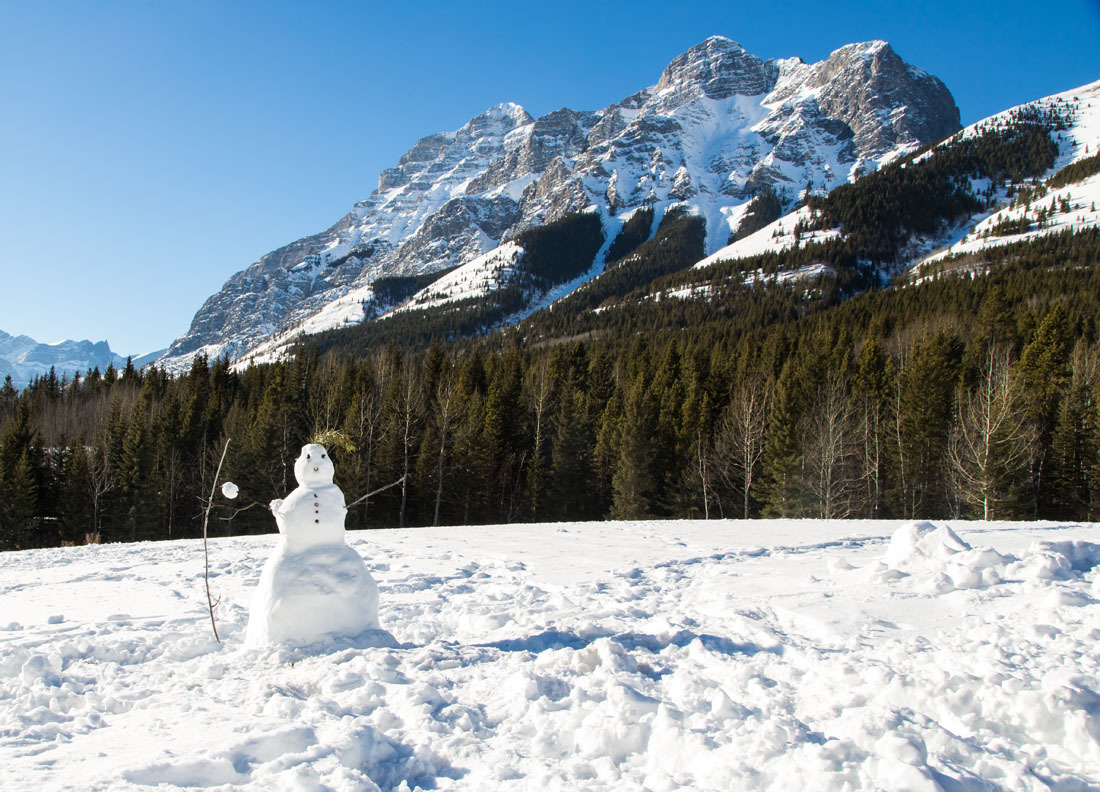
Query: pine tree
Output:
(605,455)
(1073,443)
(1043,371)
(784,496)
(135,469)
(633,486)
(503,455)
(571,496)
(77,517)
(925,413)
(873,391)
(21,503)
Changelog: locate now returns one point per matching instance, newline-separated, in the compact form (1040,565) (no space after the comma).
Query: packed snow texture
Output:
(635,655)
(314,588)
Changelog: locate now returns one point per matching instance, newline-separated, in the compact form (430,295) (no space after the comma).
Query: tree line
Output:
(958,397)
(656,390)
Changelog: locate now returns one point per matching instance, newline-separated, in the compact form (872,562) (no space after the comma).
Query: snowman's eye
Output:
(323,456)
(308,456)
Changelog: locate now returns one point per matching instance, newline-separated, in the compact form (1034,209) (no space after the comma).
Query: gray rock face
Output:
(717,69)
(882,99)
(719,125)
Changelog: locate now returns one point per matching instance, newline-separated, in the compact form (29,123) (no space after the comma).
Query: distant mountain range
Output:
(22,358)
(719,127)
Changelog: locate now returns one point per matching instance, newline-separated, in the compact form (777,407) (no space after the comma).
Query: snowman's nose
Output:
(316,469)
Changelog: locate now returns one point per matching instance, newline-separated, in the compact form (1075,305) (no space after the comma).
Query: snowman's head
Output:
(313,466)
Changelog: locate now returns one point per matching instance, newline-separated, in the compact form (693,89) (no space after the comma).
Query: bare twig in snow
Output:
(205,546)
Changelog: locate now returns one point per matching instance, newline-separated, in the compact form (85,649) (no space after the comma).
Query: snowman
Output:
(313,587)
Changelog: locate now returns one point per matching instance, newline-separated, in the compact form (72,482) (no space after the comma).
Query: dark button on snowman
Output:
(314,587)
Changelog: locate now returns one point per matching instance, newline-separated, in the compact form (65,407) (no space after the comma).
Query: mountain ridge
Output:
(23,358)
(718,126)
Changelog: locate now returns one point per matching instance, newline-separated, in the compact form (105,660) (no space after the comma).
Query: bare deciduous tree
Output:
(990,439)
(739,445)
(365,426)
(828,446)
(447,411)
(409,412)
(102,479)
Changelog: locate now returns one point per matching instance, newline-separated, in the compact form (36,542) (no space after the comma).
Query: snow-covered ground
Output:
(716,655)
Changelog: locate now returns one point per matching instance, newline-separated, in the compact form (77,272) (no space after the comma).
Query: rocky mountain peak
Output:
(22,358)
(718,68)
(884,100)
(497,120)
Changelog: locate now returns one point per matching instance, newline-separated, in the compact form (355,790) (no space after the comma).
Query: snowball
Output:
(310,596)
(39,668)
(229,490)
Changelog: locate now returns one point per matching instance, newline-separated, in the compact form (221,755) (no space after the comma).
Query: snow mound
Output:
(940,561)
(1048,561)
(933,559)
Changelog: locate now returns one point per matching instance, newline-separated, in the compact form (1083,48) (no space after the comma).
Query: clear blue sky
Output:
(149,150)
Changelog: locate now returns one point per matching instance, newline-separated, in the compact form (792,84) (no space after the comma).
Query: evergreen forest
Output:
(975,393)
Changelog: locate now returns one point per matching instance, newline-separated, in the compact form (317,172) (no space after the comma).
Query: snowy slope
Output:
(602,656)
(1081,199)
(772,238)
(717,126)
(476,278)
(1080,140)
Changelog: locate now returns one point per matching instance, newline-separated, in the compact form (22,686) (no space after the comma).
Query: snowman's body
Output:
(313,587)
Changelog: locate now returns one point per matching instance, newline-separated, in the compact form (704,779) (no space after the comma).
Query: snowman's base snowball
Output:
(320,594)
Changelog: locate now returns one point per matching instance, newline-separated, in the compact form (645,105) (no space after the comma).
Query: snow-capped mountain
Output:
(1014,212)
(22,358)
(718,126)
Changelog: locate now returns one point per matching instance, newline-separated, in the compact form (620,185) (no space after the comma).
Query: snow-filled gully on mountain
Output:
(647,655)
